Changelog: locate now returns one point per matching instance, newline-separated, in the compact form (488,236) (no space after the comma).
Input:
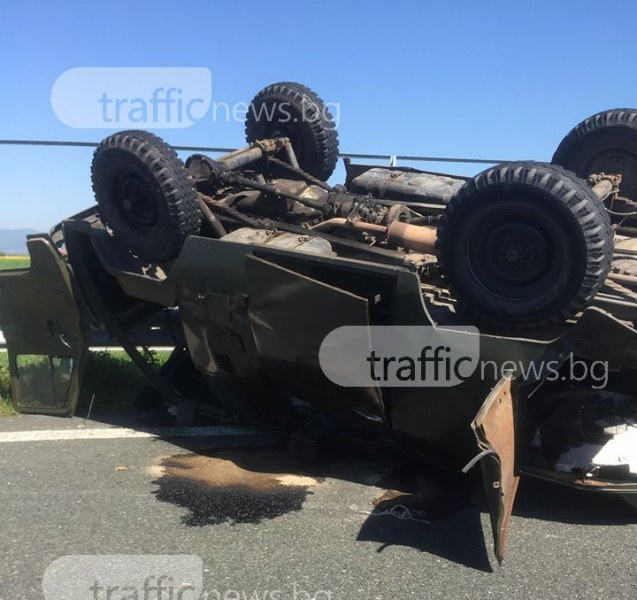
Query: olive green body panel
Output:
(44,330)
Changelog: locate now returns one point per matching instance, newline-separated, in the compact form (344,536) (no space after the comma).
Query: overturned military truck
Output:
(258,259)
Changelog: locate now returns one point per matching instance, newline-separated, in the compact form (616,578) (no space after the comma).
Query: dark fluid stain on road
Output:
(237,485)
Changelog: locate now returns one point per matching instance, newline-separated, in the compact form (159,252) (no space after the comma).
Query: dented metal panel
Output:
(494,428)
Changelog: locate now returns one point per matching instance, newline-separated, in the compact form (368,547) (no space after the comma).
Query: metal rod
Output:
(233,153)
(412,237)
(289,152)
(306,176)
(627,280)
(241,158)
(96,144)
(603,188)
(405,157)
(342,222)
(211,218)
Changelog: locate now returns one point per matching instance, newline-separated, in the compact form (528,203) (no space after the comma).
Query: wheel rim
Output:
(514,252)
(518,253)
(135,201)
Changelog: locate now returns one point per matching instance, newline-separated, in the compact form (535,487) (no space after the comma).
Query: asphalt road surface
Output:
(268,528)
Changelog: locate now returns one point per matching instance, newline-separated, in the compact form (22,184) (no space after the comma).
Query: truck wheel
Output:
(603,143)
(144,194)
(525,245)
(292,110)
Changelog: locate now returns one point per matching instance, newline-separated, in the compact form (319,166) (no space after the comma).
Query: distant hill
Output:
(14,241)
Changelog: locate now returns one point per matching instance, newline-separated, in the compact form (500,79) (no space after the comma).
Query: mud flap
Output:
(494,429)
(43,327)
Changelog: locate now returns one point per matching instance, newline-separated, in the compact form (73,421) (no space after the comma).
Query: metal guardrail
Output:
(393,158)
(156,332)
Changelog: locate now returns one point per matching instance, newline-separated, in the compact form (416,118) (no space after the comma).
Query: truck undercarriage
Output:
(262,259)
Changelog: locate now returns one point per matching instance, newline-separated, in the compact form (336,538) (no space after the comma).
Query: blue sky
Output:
(449,78)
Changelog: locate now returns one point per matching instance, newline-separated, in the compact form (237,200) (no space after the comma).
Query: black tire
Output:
(292,110)
(144,194)
(603,143)
(525,245)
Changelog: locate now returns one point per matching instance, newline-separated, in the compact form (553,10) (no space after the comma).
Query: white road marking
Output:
(120,349)
(111,433)
(105,348)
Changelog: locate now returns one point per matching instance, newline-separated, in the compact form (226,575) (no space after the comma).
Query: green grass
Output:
(14,262)
(6,407)
(115,380)
(112,376)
